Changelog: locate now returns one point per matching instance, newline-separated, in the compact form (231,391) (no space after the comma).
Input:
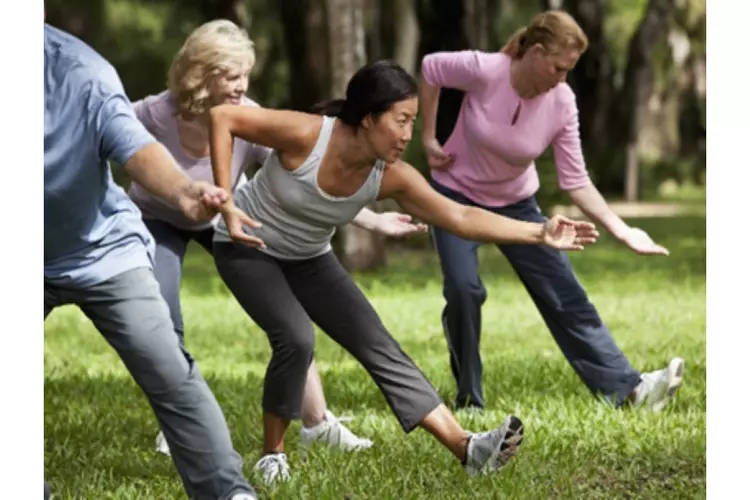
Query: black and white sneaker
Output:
(490,451)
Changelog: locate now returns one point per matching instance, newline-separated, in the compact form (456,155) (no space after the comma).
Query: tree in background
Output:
(357,248)
(640,86)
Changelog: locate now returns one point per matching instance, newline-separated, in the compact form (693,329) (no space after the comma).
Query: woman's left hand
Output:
(562,233)
(641,243)
(397,224)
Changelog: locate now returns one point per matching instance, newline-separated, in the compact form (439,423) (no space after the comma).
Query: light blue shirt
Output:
(92,231)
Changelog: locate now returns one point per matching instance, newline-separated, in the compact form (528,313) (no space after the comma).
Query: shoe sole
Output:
(508,446)
(676,371)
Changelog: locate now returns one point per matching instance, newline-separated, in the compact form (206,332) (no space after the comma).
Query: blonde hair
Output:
(211,49)
(555,30)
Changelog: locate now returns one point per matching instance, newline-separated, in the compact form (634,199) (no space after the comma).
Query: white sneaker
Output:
(274,467)
(657,388)
(244,496)
(490,451)
(335,434)
(161,444)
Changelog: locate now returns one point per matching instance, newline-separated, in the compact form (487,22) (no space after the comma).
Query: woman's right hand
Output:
(236,219)
(565,234)
(437,158)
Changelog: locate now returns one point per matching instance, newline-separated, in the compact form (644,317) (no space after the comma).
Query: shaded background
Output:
(641,87)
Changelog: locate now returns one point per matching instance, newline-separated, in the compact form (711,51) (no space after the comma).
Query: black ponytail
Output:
(331,107)
(372,90)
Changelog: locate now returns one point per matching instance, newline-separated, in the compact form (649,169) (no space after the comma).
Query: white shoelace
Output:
(273,466)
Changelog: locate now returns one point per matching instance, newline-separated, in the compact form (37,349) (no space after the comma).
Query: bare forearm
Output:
(429,97)
(591,203)
(366,219)
(155,169)
(222,144)
(477,224)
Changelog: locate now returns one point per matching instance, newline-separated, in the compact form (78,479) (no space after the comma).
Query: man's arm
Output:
(125,140)
(154,168)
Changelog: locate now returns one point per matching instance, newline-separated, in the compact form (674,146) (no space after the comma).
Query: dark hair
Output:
(372,90)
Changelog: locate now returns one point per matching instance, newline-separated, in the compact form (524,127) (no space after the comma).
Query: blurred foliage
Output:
(140,38)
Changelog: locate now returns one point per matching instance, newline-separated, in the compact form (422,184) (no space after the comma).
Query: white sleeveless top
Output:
(299,219)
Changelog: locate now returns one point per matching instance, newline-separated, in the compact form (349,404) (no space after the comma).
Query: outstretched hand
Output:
(562,233)
(641,243)
(398,224)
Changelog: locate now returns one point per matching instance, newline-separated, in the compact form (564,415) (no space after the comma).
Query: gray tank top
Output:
(299,219)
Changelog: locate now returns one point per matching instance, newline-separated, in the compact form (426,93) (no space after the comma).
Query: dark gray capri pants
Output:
(285,297)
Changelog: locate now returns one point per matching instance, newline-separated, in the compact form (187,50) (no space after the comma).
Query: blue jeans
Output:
(558,295)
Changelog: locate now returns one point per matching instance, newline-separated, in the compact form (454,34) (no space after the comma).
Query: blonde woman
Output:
(212,68)
(516,105)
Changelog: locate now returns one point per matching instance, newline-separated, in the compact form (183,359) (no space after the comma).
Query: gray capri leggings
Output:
(285,297)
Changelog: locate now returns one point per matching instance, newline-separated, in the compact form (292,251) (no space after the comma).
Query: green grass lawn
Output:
(99,431)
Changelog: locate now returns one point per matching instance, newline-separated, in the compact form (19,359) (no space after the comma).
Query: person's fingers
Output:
(578,224)
(248,221)
(439,159)
(585,226)
(561,219)
(216,192)
(583,240)
(592,235)
(662,250)
(237,233)
(245,239)
(437,162)
(568,247)
(654,250)
(210,200)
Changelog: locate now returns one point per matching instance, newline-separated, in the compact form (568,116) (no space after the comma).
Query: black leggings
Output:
(284,297)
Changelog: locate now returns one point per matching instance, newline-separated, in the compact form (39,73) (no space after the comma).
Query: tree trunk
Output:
(233,10)
(494,9)
(593,78)
(443,29)
(306,37)
(406,44)
(375,48)
(476,23)
(357,248)
(639,84)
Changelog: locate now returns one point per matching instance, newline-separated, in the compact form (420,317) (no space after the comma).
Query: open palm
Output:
(641,243)
(397,224)
(562,233)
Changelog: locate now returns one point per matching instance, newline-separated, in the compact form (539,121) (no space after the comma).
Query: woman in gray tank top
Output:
(179,123)
(272,248)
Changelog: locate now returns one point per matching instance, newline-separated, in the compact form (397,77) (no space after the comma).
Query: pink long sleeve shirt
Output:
(494,158)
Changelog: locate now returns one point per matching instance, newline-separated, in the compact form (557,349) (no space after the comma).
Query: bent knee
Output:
(297,346)
(464,289)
